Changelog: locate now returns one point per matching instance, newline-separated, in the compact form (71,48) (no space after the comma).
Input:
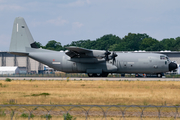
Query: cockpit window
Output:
(162,57)
(167,59)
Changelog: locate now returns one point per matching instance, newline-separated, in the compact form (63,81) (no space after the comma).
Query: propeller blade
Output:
(114,55)
(107,53)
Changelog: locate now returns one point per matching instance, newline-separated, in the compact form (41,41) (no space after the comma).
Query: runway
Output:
(92,78)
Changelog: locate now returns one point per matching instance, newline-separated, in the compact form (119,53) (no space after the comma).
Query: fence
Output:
(89,112)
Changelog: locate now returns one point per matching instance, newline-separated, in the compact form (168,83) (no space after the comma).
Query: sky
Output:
(72,20)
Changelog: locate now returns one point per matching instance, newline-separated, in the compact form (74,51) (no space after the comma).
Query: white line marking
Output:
(17,27)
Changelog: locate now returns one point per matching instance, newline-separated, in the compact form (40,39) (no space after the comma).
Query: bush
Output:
(26,115)
(68,117)
(48,116)
(8,80)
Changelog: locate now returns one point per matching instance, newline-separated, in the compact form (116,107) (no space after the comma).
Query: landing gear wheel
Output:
(104,74)
(90,75)
(95,75)
(98,75)
(136,75)
(123,75)
(159,75)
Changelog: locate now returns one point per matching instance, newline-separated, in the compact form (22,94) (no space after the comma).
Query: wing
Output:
(77,52)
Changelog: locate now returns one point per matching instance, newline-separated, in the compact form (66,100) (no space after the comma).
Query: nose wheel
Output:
(159,75)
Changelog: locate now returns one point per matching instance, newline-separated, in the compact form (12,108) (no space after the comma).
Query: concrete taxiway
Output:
(91,78)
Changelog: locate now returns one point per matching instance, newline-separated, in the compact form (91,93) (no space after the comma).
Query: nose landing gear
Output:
(160,75)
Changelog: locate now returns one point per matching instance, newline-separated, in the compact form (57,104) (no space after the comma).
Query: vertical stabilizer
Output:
(21,36)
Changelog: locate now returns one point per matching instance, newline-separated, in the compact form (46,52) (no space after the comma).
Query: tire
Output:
(136,75)
(122,75)
(104,74)
(159,75)
(90,75)
(95,75)
(98,75)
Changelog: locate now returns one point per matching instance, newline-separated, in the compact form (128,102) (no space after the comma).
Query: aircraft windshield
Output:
(164,58)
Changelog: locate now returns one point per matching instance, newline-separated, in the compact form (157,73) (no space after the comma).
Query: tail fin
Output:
(21,36)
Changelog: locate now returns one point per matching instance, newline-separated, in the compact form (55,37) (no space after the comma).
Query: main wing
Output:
(83,55)
(77,52)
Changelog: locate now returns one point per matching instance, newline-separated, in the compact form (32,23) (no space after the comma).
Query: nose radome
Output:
(172,66)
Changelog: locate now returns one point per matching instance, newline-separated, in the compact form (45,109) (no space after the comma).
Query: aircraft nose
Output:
(172,66)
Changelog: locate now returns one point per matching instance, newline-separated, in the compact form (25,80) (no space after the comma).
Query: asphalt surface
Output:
(92,78)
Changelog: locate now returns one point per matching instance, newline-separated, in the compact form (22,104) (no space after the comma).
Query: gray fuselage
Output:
(125,62)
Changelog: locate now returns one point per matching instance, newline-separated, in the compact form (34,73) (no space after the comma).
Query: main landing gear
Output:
(98,75)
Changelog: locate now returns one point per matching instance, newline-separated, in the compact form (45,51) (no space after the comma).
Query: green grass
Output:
(40,94)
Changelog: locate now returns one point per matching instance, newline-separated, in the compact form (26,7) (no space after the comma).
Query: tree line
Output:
(130,42)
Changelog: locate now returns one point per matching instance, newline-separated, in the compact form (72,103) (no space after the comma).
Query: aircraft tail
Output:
(21,37)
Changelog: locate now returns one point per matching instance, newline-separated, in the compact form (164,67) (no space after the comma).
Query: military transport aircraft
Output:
(96,63)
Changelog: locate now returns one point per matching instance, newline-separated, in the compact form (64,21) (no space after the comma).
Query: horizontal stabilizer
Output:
(19,53)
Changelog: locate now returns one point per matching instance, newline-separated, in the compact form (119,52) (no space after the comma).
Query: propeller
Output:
(107,53)
(113,56)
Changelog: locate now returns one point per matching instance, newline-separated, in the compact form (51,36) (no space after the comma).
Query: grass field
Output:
(90,92)
(81,92)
